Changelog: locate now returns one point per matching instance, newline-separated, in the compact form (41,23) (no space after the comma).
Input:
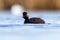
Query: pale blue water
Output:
(13,28)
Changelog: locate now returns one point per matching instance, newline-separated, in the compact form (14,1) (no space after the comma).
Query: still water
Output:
(13,28)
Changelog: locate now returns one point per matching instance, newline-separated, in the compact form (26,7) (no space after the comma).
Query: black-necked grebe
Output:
(32,20)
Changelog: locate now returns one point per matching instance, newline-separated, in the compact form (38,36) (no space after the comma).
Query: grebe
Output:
(32,20)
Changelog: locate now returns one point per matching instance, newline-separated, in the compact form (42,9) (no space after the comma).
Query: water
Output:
(13,28)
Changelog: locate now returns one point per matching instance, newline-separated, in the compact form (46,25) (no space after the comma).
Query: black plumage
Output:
(32,20)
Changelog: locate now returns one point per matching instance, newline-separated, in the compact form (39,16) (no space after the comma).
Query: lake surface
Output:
(13,28)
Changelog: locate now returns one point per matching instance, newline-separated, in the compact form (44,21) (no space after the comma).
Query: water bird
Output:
(32,20)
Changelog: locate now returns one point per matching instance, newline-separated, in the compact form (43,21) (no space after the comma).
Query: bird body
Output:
(32,20)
